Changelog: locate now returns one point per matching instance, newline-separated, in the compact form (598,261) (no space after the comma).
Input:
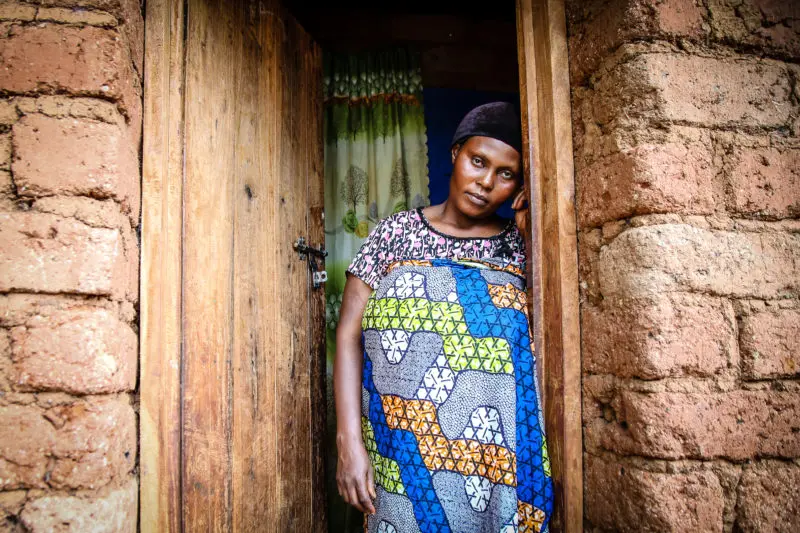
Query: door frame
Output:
(552,247)
(553,244)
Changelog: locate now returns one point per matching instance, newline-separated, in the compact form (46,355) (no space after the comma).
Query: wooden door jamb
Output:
(552,246)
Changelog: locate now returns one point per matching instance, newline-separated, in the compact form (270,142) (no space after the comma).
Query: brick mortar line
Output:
(681,384)
(32,397)
(66,294)
(35,21)
(639,221)
(717,135)
(647,122)
(687,465)
(98,198)
(117,101)
(708,50)
(14,100)
(112,485)
(743,462)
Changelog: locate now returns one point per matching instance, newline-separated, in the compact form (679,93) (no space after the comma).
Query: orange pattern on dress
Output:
(508,296)
(408,262)
(530,518)
(465,456)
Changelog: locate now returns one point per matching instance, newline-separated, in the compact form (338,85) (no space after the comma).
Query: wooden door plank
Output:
(547,139)
(160,298)
(293,364)
(254,443)
(313,113)
(211,67)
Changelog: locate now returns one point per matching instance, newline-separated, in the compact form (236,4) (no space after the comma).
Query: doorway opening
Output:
(452,60)
(232,363)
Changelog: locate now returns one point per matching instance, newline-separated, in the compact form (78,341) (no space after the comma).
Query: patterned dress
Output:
(451,415)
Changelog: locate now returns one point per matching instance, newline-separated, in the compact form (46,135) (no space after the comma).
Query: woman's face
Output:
(486,173)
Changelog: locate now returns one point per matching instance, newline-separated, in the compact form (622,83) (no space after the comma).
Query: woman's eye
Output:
(477,161)
(506,175)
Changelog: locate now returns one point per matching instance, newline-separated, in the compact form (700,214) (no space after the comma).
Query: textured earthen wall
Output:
(70,128)
(687,152)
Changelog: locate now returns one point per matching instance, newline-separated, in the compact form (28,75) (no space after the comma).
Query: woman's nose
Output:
(486,179)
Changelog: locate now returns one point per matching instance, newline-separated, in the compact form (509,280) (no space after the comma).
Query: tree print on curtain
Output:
(376,164)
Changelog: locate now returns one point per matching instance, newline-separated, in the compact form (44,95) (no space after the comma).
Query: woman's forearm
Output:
(349,360)
(347,388)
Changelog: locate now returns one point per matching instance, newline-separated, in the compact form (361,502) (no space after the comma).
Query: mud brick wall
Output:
(70,129)
(687,152)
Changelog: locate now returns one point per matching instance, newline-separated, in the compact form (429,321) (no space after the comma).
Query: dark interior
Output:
(460,47)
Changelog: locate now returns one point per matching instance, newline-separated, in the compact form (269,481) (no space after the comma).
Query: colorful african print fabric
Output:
(450,408)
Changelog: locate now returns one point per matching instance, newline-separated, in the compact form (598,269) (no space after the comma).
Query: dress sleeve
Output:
(369,264)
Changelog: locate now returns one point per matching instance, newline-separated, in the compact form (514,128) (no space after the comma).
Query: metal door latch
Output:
(311,254)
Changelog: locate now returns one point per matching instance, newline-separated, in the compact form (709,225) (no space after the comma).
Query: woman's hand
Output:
(354,472)
(354,477)
(521,215)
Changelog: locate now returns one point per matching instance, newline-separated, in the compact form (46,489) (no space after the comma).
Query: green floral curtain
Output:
(376,164)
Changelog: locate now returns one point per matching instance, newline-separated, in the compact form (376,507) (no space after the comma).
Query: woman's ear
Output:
(454,153)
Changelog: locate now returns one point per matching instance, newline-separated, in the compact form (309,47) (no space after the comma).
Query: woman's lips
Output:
(478,200)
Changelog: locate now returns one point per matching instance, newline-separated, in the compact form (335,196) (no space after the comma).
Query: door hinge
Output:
(311,254)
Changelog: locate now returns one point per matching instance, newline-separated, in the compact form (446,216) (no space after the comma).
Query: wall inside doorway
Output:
(687,150)
(70,127)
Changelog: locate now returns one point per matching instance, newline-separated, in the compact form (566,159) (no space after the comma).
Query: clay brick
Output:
(113,511)
(11,10)
(770,344)
(97,213)
(5,361)
(18,309)
(665,336)
(621,497)
(696,91)
(127,12)
(79,60)
(7,194)
(11,503)
(47,253)
(664,258)
(8,112)
(735,425)
(767,501)
(56,156)
(117,7)
(673,177)
(5,151)
(85,444)
(598,27)
(770,25)
(766,182)
(76,16)
(25,437)
(84,351)
(588,254)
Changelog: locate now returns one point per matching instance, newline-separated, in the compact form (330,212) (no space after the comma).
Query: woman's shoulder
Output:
(405,220)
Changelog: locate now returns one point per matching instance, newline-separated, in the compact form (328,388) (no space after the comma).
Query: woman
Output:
(438,420)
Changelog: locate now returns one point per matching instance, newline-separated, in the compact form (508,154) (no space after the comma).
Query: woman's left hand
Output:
(521,215)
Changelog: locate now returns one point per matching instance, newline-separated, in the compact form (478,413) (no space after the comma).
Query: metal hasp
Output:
(310,254)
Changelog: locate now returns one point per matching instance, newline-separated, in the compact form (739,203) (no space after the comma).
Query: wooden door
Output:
(232,363)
